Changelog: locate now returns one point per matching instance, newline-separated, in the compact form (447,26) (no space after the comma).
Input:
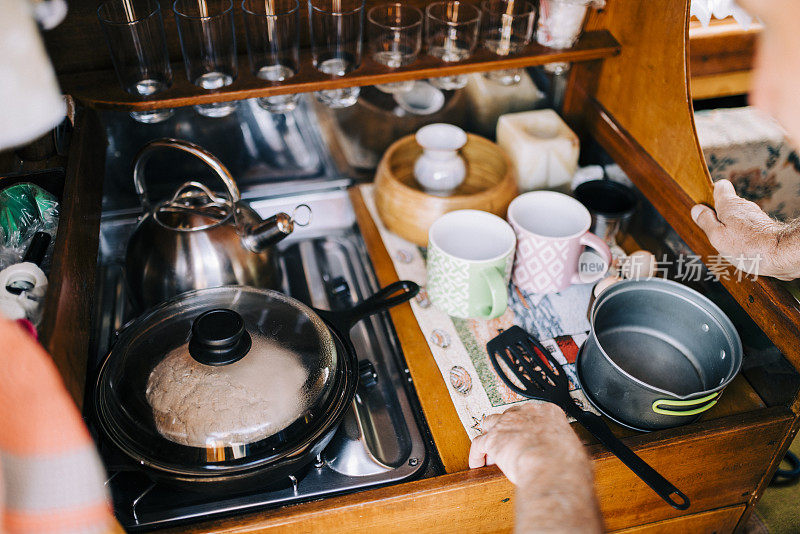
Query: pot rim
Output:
(333,408)
(622,189)
(669,286)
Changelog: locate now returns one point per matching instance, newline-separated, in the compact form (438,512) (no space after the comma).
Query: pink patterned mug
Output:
(552,230)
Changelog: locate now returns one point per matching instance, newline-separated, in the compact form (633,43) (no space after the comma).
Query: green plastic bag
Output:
(25,209)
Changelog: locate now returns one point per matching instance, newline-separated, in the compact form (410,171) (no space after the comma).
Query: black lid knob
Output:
(219,337)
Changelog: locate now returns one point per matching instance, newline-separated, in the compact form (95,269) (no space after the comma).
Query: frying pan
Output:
(126,419)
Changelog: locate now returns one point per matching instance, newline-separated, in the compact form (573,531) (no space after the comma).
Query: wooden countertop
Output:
(722,462)
(717,461)
(448,432)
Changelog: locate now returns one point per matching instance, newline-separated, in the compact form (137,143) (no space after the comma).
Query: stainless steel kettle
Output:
(197,239)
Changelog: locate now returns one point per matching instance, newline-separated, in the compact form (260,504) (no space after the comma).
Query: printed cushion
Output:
(750,149)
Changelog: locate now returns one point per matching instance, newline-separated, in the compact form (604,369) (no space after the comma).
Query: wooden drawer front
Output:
(720,521)
(723,47)
(479,500)
(719,465)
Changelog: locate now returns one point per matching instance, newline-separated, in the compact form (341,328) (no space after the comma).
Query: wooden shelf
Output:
(101,90)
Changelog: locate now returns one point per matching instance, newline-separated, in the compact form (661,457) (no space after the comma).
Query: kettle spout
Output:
(259,237)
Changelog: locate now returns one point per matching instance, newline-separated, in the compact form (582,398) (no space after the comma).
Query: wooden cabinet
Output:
(628,90)
(722,56)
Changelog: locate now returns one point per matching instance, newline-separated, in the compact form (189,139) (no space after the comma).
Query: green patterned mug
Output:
(470,256)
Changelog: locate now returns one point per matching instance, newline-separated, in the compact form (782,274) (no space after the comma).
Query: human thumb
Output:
(705,218)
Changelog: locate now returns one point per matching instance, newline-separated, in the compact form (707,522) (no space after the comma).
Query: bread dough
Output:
(208,406)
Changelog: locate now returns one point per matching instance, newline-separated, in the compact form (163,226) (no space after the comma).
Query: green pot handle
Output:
(710,401)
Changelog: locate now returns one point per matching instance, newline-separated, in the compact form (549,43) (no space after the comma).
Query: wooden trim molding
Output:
(721,520)
(721,57)
(780,453)
(66,324)
(445,426)
(722,47)
(719,85)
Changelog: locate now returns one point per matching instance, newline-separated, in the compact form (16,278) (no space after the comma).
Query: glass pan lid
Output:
(216,377)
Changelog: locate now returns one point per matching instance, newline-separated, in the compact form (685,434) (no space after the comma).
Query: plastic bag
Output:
(25,209)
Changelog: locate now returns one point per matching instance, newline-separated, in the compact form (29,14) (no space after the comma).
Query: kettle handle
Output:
(201,153)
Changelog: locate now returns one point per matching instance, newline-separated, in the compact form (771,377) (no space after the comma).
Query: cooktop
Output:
(326,266)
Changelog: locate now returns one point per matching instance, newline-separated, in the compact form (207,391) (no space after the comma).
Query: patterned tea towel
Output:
(559,321)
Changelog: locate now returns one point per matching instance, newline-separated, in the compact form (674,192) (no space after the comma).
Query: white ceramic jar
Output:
(440,169)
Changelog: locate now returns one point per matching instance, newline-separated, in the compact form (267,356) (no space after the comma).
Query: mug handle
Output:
(590,240)
(499,291)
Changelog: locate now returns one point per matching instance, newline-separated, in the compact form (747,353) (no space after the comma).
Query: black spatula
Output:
(528,368)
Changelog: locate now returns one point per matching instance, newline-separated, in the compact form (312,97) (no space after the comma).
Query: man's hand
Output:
(524,436)
(538,451)
(748,237)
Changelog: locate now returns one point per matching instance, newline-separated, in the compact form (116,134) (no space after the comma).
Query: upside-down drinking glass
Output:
(337,28)
(452,34)
(273,44)
(205,29)
(134,31)
(395,39)
(507,27)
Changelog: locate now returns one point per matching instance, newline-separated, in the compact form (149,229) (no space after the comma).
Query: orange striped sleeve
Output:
(37,414)
(51,477)
(95,518)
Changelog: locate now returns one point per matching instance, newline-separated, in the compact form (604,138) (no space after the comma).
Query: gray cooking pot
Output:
(659,354)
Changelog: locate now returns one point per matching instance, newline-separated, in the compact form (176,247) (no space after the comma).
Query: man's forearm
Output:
(553,498)
(787,245)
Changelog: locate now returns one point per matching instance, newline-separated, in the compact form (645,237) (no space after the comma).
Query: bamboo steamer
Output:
(408,211)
